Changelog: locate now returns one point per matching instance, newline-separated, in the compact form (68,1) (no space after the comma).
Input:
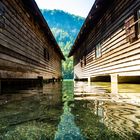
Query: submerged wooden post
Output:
(114,83)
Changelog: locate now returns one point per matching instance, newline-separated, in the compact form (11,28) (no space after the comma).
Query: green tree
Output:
(65,28)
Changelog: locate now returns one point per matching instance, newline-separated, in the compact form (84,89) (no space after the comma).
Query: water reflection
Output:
(54,112)
(30,114)
(113,116)
(101,91)
(67,129)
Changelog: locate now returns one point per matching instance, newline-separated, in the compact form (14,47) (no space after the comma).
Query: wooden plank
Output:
(23,36)
(118,55)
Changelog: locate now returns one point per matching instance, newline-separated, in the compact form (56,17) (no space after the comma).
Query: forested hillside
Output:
(65,28)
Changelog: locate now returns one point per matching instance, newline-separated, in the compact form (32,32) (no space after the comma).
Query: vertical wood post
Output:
(114,83)
(89,80)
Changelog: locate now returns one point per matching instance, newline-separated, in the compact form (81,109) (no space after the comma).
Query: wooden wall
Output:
(22,44)
(118,54)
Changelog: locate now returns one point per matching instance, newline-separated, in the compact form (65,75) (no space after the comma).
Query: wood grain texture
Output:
(119,56)
(22,43)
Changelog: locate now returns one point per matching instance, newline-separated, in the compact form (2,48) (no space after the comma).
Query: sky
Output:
(76,7)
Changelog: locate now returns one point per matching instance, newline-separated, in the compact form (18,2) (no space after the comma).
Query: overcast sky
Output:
(76,7)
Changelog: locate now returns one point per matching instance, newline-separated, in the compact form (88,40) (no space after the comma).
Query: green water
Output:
(71,111)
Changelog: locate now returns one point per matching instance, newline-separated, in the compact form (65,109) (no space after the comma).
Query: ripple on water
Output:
(119,115)
(52,113)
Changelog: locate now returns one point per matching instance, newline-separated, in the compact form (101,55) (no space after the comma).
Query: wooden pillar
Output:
(114,83)
(89,80)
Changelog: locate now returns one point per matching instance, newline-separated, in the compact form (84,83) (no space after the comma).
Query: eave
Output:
(94,15)
(32,7)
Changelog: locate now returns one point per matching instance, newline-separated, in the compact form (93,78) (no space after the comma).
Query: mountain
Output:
(65,27)
(64,21)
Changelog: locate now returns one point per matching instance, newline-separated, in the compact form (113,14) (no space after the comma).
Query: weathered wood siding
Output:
(118,54)
(22,44)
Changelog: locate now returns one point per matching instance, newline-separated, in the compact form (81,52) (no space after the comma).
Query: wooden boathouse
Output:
(28,49)
(108,45)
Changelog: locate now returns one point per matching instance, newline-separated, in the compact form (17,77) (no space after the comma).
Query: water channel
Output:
(71,111)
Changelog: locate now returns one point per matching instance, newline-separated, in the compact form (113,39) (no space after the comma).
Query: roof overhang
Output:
(94,15)
(32,7)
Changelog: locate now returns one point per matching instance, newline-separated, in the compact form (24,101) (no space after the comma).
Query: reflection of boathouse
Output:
(120,118)
(126,121)
(108,44)
(28,49)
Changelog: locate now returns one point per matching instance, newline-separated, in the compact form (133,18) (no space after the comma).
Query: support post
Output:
(89,81)
(114,83)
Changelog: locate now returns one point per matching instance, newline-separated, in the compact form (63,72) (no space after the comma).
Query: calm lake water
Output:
(71,111)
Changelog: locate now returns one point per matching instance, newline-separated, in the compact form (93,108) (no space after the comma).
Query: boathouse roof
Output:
(94,15)
(33,9)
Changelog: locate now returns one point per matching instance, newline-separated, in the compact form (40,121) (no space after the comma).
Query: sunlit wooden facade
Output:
(109,41)
(28,49)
